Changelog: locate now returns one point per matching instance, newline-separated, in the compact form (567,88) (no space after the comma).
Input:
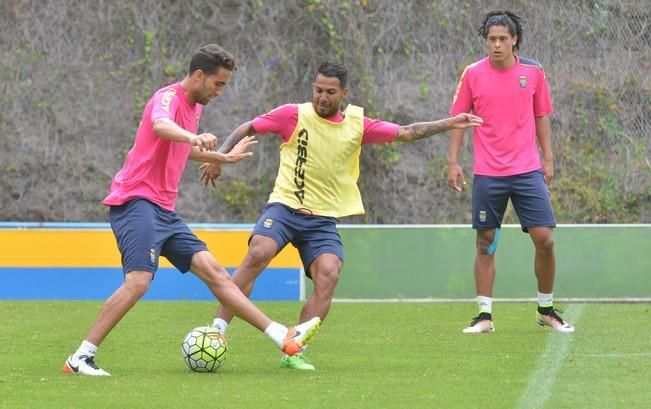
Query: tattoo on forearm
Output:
(420,130)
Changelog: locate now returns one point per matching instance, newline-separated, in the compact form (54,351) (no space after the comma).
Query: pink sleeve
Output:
(377,131)
(542,100)
(462,101)
(281,120)
(164,105)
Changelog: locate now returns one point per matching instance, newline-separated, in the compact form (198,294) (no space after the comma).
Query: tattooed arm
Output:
(420,130)
(237,141)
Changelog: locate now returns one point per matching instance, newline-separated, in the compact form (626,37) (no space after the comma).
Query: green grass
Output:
(405,355)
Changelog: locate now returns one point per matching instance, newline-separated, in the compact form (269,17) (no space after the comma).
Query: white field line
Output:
(623,300)
(248,226)
(618,355)
(468,226)
(541,380)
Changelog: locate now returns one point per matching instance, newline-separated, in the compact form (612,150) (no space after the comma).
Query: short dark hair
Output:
(210,57)
(503,18)
(333,70)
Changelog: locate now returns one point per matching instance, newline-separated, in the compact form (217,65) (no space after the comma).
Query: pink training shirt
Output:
(283,119)
(508,100)
(154,166)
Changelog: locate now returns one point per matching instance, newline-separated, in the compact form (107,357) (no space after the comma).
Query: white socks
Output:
(277,332)
(220,325)
(545,300)
(86,348)
(485,304)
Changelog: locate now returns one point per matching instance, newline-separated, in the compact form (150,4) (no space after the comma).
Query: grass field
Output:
(400,355)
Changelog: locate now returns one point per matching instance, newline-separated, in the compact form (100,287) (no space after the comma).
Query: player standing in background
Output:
(512,96)
(316,185)
(142,209)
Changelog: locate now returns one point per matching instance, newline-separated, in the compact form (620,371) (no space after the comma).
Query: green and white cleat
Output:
(297,361)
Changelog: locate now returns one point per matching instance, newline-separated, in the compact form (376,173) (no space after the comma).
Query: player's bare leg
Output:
(325,271)
(545,260)
(545,269)
(262,250)
(484,263)
(135,285)
(216,278)
(290,340)
(484,280)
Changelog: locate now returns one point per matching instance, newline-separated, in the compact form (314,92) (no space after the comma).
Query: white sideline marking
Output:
(617,355)
(600,300)
(541,380)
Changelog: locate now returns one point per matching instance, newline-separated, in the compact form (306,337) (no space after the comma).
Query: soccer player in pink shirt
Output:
(316,184)
(142,209)
(512,96)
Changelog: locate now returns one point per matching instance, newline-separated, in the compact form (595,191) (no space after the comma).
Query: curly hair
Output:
(503,18)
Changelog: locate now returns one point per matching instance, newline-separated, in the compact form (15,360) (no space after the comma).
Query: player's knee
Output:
(259,255)
(208,269)
(204,262)
(483,245)
(137,282)
(546,243)
(325,278)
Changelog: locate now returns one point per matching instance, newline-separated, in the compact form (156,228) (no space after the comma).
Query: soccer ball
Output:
(204,349)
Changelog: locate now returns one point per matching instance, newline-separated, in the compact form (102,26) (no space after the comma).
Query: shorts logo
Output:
(267,223)
(482,216)
(523,81)
(152,255)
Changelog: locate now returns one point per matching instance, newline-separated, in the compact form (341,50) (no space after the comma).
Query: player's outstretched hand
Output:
(241,150)
(210,172)
(464,120)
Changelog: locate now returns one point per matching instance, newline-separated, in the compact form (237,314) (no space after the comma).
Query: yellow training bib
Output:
(319,164)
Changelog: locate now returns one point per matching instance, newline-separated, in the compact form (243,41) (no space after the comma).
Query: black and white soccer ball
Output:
(204,349)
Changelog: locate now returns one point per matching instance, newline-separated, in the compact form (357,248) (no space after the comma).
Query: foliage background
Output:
(75,76)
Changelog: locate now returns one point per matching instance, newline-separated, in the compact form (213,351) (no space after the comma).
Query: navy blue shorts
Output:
(528,193)
(311,235)
(144,231)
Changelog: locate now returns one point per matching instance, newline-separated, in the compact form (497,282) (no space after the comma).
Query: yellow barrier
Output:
(97,248)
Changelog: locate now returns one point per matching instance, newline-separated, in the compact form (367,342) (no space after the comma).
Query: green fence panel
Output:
(593,261)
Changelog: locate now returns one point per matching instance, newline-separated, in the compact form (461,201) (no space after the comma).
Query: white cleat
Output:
(83,365)
(480,324)
(553,320)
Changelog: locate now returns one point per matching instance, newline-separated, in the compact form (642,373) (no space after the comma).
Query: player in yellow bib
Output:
(316,184)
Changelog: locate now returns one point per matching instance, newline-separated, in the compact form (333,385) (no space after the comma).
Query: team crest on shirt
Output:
(267,223)
(483,216)
(523,81)
(167,98)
